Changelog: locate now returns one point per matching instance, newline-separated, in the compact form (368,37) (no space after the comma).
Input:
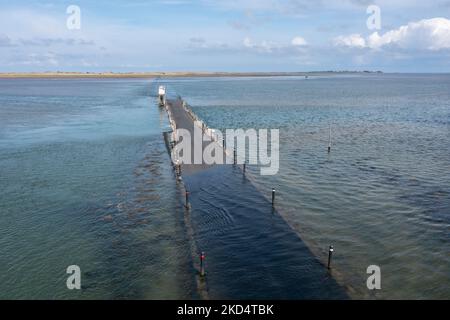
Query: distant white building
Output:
(162,95)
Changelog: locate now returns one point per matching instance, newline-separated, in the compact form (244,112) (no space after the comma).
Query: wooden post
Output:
(202,264)
(329,141)
(330,254)
(187,199)
(178,165)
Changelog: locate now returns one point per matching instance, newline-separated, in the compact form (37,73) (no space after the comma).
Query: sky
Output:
(225,35)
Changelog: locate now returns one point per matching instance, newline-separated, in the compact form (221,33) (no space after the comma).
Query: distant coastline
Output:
(171,74)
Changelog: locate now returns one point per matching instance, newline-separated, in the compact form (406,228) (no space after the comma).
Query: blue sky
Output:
(225,35)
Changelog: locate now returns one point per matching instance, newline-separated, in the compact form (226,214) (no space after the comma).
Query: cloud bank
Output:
(428,34)
(226,35)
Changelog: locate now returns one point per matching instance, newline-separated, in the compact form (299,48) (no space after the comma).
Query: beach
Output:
(179,74)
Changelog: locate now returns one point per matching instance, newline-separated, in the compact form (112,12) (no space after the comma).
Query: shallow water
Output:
(86,180)
(381,196)
(251,253)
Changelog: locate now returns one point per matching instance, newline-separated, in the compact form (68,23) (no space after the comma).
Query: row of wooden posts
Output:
(188,206)
(202,255)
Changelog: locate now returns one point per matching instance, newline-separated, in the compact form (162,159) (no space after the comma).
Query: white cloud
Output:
(248,43)
(296,46)
(428,34)
(353,41)
(264,46)
(431,34)
(298,42)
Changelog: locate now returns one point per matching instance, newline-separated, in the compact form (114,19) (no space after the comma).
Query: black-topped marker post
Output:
(273,197)
(330,254)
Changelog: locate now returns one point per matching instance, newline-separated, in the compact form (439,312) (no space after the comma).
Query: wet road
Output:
(251,252)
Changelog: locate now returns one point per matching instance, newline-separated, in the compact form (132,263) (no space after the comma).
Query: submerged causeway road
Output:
(251,252)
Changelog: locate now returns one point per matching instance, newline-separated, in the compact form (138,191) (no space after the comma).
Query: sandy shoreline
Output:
(163,74)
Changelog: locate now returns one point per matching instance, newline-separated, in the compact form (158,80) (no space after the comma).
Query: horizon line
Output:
(37,74)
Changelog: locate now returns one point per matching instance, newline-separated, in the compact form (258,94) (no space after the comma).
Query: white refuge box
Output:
(162,95)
